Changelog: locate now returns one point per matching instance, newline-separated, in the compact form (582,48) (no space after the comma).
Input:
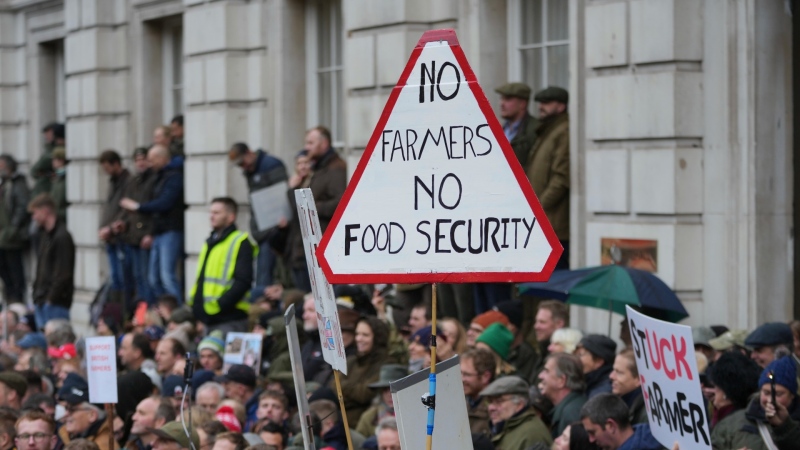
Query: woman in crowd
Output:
(372,342)
(455,333)
(574,437)
(750,428)
(735,378)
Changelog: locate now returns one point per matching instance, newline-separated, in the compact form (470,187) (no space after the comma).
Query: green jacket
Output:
(735,432)
(522,431)
(14,217)
(478,413)
(58,191)
(566,412)
(524,139)
(548,171)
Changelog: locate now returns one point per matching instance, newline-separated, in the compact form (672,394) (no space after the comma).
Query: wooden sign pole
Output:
(431,410)
(341,406)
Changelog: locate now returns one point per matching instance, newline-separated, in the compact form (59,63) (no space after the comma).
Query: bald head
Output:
(158,156)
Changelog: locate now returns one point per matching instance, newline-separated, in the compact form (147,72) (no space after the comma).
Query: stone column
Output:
(226,85)
(98,118)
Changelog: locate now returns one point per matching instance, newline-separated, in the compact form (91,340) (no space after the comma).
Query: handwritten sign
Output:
(243,348)
(101,369)
(330,333)
(438,194)
(670,381)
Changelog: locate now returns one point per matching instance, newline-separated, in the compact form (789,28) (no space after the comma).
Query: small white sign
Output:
(270,205)
(101,367)
(670,381)
(243,348)
(330,333)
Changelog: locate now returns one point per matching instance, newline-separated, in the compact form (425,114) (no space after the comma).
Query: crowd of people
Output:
(530,381)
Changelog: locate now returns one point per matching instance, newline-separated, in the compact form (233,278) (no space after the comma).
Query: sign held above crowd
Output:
(670,381)
(438,195)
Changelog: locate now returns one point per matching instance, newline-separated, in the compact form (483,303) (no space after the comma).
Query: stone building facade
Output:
(681,112)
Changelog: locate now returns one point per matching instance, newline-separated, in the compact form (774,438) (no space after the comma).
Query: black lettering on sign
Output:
(426,75)
(428,236)
(348,237)
(450,204)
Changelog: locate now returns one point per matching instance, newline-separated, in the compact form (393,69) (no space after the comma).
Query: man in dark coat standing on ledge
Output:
(519,126)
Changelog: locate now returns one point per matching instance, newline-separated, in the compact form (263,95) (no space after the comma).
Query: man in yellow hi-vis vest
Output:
(220,299)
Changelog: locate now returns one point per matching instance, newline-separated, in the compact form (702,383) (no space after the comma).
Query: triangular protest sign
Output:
(438,195)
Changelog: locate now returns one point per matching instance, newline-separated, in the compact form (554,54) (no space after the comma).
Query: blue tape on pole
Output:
(431,411)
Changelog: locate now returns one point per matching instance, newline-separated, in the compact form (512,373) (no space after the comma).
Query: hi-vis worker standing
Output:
(220,298)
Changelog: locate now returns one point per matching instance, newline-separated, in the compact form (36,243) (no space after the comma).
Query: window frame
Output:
(516,47)
(172,31)
(313,71)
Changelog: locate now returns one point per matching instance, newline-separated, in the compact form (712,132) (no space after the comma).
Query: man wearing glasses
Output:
(83,419)
(514,423)
(172,437)
(36,431)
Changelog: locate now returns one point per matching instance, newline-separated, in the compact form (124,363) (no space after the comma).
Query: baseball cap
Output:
(239,373)
(33,340)
(75,390)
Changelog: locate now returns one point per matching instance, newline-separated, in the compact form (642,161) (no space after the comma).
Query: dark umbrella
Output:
(611,288)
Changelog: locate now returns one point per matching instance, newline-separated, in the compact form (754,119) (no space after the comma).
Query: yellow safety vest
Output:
(218,276)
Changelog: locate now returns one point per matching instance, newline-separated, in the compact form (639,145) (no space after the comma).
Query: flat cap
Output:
(703,335)
(728,339)
(552,94)
(519,90)
(506,385)
(770,333)
(15,381)
(600,346)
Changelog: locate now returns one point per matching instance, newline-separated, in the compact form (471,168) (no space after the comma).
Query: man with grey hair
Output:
(83,419)
(561,381)
(514,424)
(388,437)
(59,332)
(209,395)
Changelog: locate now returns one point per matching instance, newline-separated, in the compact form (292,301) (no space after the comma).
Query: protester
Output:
(497,339)
(514,425)
(388,436)
(171,436)
(55,263)
(261,171)
(748,427)
(597,353)
(220,298)
(151,413)
(564,340)
(521,355)
(273,406)
(14,222)
(562,383)
(165,208)
(605,418)
(240,385)
(481,322)
(36,430)
(735,379)
(211,350)
(550,316)
(574,437)
(477,372)
(625,383)
(767,340)
(383,404)
(83,419)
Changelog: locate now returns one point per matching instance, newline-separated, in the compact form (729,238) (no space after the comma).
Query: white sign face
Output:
(670,381)
(243,348)
(270,205)
(450,423)
(101,369)
(330,334)
(438,195)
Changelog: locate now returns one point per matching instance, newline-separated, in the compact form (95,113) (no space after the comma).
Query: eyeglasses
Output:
(36,436)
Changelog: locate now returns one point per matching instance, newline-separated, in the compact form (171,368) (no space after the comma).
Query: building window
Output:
(324,39)
(539,37)
(172,64)
(53,82)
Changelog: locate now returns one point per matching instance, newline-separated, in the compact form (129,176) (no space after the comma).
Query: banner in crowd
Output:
(330,333)
(670,381)
(101,369)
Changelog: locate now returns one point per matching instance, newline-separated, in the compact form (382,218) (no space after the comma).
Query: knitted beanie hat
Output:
(498,338)
(490,317)
(784,371)
(226,415)
(213,342)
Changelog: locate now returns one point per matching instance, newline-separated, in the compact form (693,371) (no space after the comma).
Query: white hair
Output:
(212,385)
(567,337)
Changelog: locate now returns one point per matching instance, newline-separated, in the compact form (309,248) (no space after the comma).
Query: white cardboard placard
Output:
(101,369)
(270,205)
(330,333)
(670,381)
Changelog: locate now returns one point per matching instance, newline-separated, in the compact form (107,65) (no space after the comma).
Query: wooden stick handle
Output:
(344,412)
